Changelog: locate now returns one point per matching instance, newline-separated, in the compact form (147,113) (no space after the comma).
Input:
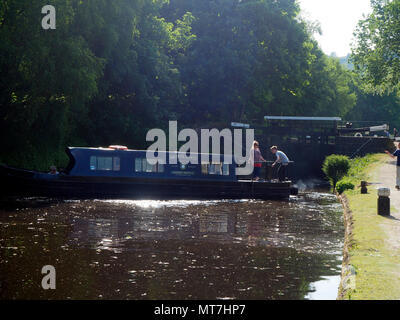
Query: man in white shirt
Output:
(283,161)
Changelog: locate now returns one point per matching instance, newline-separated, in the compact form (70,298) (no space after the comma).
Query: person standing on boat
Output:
(283,161)
(256,159)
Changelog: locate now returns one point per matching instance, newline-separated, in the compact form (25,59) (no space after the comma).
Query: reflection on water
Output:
(173,249)
(323,289)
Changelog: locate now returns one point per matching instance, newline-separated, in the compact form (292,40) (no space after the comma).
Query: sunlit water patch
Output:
(173,249)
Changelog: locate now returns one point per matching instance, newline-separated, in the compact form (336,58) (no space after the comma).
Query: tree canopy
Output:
(376,59)
(114,69)
(376,55)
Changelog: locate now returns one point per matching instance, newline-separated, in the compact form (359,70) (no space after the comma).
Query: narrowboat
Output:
(118,173)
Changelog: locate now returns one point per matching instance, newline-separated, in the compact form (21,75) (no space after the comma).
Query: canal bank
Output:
(372,247)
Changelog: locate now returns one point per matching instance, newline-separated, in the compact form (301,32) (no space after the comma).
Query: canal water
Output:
(173,249)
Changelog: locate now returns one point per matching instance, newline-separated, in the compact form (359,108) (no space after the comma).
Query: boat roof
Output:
(303,118)
(138,150)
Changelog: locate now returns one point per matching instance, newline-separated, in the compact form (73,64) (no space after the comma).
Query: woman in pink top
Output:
(257,159)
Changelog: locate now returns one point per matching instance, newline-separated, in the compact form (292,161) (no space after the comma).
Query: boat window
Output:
(225,169)
(141,165)
(211,169)
(138,165)
(116,164)
(218,169)
(93,163)
(215,169)
(105,163)
(146,167)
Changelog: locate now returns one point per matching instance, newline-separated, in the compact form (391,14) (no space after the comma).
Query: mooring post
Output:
(384,202)
(364,189)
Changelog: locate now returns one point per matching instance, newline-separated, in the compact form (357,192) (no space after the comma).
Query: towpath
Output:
(375,253)
(386,176)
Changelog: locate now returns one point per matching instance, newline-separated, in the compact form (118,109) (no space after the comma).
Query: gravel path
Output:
(386,176)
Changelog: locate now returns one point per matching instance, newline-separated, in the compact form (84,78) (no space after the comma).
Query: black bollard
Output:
(364,189)
(384,202)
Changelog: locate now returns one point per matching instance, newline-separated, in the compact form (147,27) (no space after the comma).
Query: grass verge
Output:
(373,258)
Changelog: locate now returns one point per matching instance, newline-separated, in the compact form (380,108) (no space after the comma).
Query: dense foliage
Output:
(356,173)
(376,56)
(114,69)
(376,59)
(335,168)
(344,185)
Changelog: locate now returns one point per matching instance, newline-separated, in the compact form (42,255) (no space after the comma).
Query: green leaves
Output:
(114,69)
(336,167)
(344,185)
(376,55)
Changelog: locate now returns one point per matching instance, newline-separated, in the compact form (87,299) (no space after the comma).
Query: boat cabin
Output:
(120,162)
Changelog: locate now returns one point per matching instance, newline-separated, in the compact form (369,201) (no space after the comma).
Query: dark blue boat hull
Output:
(23,183)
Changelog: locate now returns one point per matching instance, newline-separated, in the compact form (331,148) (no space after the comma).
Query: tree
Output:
(45,75)
(376,54)
(112,70)
(105,75)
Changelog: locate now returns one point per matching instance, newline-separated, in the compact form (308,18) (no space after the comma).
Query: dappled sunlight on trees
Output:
(114,69)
